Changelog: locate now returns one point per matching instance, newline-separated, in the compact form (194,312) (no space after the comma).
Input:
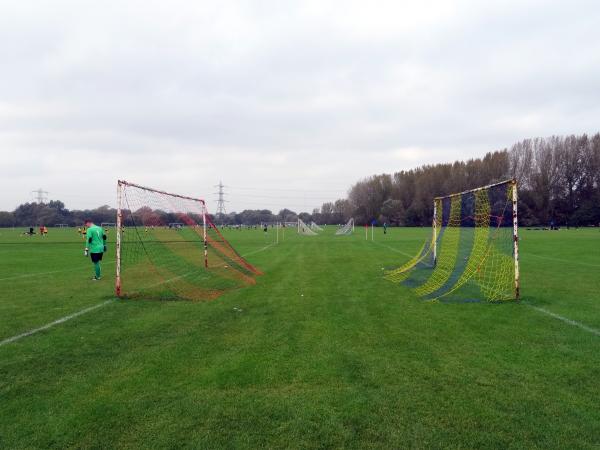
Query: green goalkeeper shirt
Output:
(94,239)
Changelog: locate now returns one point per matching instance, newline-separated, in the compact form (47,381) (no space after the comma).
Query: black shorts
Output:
(96,257)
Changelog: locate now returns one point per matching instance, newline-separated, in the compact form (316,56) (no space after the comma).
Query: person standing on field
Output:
(95,246)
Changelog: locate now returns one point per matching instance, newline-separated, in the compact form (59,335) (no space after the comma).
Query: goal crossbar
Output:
(127,183)
(458,194)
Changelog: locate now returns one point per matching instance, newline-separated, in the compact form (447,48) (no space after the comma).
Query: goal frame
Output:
(121,186)
(515,225)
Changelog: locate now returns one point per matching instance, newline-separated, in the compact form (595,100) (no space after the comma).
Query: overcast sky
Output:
(287,102)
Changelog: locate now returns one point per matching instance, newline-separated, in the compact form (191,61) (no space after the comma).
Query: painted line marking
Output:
(29,275)
(394,250)
(52,324)
(560,260)
(92,308)
(258,251)
(565,320)
(36,274)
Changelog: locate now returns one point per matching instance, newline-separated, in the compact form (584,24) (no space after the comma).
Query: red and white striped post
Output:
(118,245)
(204,235)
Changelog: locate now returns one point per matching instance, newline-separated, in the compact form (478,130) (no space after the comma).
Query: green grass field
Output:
(321,352)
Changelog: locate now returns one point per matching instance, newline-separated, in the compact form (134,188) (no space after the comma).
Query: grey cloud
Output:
(304,95)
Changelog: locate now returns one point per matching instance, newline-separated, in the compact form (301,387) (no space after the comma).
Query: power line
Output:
(288,190)
(221,199)
(283,197)
(41,195)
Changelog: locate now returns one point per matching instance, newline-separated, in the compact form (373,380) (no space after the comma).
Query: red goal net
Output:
(168,248)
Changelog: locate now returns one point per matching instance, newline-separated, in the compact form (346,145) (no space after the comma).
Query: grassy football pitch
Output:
(321,352)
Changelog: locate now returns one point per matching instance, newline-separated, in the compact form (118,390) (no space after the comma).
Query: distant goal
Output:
(168,248)
(346,229)
(473,253)
(304,229)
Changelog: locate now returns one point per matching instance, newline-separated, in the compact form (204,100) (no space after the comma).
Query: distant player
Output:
(384,227)
(95,246)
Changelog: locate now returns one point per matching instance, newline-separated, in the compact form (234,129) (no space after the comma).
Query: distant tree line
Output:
(559,181)
(54,213)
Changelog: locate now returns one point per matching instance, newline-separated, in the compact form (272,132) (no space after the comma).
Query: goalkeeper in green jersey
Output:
(95,246)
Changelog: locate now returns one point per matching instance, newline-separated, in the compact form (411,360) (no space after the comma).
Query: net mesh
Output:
(315,227)
(472,257)
(163,253)
(346,229)
(305,229)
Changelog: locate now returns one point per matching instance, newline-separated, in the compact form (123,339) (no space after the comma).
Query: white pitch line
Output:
(29,275)
(51,324)
(211,267)
(537,308)
(542,310)
(36,274)
(566,320)
(91,308)
(394,250)
(257,251)
(561,260)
